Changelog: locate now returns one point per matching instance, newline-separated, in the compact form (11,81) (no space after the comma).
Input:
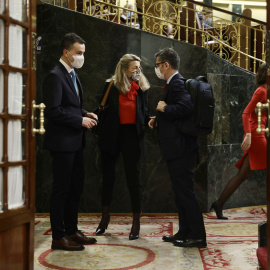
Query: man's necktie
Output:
(165,87)
(73,77)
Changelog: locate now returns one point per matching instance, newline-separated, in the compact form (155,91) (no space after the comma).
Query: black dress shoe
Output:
(79,238)
(217,210)
(66,243)
(171,238)
(199,243)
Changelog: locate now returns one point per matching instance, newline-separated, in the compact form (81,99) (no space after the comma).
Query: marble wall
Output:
(106,42)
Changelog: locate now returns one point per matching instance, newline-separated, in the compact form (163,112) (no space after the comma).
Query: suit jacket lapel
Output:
(79,89)
(139,100)
(168,87)
(70,82)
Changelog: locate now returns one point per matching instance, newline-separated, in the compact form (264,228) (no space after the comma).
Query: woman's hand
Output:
(151,122)
(246,142)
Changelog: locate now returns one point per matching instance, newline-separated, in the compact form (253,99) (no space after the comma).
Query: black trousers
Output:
(190,217)
(68,180)
(128,146)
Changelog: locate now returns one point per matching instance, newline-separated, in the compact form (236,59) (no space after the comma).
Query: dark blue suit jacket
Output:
(63,112)
(109,129)
(174,144)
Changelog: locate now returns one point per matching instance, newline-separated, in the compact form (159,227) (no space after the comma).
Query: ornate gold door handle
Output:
(261,106)
(41,106)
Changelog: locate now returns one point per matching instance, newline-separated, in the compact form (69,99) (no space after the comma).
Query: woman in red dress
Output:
(253,145)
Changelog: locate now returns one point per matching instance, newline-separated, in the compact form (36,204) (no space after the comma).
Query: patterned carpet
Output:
(232,244)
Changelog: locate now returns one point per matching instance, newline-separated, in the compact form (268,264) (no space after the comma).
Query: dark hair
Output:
(169,55)
(68,41)
(207,10)
(261,74)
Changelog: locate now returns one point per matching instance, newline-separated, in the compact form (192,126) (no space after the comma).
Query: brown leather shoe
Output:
(66,244)
(79,238)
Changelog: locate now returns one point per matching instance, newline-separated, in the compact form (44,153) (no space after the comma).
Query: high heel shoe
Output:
(135,229)
(103,225)
(217,210)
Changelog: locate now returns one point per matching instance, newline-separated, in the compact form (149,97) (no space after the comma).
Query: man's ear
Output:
(65,52)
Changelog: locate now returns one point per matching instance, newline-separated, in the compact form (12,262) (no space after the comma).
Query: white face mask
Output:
(136,75)
(78,61)
(159,74)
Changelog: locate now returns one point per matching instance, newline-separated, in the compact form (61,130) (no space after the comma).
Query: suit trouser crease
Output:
(128,145)
(68,181)
(190,216)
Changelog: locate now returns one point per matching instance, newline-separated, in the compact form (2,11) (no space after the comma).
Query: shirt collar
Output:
(168,81)
(68,68)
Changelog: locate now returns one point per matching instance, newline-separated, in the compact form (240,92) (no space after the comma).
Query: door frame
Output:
(17,225)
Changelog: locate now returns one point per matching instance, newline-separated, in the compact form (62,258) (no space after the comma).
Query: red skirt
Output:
(256,153)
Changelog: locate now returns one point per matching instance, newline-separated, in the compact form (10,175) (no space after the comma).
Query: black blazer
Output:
(63,112)
(174,144)
(109,128)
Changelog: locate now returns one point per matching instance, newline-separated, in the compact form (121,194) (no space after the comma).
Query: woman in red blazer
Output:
(253,145)
(122,131)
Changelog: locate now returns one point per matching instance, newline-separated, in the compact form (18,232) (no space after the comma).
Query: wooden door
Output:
(268,141)
(17,142)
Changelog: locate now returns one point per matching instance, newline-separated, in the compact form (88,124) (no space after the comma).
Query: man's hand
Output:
(92,115)
(160,106)
(151,122)
(246,142)
(88,122)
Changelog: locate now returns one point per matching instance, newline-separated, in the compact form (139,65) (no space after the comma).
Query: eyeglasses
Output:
(157,64)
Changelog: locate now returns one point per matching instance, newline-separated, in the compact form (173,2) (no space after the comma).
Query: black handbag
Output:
(101,111)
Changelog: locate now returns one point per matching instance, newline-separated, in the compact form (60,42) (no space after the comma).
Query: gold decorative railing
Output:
(242,41)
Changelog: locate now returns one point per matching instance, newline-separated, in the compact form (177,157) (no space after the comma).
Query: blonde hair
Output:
(120,78)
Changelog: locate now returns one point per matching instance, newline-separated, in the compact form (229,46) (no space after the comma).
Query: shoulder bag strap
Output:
(103,102)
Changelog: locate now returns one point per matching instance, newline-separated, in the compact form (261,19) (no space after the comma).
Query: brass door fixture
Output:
(41,106)
(260,107)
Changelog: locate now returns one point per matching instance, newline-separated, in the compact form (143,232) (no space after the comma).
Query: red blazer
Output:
(257,151)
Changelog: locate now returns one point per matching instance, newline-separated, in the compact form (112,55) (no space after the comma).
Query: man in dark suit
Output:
(179,150)
(64,138)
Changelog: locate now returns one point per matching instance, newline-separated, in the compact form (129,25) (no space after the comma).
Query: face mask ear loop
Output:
(68,58)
